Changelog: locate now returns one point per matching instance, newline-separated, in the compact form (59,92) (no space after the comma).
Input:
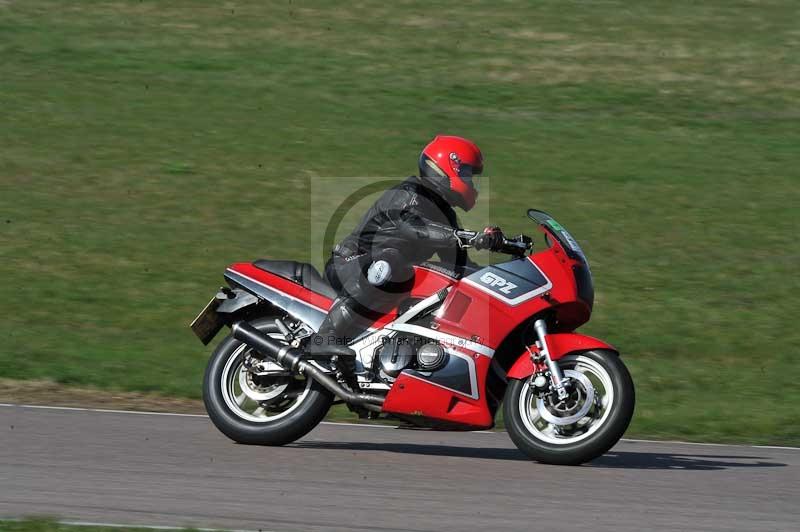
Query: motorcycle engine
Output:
(395,356)
(431,357)
(403,352)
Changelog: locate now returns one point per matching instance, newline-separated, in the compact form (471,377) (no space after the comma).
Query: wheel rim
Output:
(259,399)
(581,415)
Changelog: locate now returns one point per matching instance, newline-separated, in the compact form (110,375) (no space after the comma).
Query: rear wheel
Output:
(580,428)
(257,402)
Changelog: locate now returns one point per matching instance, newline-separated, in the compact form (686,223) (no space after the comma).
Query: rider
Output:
(372,268)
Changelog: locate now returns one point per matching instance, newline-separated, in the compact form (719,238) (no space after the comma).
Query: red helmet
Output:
(448,164)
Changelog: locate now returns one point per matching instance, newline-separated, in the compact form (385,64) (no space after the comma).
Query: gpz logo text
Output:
(498,282)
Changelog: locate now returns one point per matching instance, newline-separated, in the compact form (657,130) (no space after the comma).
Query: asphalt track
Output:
(174,470)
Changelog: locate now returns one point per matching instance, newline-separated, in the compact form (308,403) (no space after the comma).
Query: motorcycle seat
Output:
(299,272)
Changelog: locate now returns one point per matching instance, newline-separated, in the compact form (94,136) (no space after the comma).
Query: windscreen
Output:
(569,244)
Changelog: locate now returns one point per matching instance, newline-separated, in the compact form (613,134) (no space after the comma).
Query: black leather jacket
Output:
(412,219)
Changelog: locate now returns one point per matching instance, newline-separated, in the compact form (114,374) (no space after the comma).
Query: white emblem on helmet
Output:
(455,162)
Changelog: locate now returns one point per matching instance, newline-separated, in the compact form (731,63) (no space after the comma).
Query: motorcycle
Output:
(463,344)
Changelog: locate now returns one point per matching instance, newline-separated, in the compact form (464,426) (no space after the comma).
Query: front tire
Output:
(259,410)
(584,426)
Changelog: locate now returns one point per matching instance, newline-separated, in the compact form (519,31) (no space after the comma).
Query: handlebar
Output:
(518,245)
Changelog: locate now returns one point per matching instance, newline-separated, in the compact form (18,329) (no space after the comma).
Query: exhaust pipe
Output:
(292,359)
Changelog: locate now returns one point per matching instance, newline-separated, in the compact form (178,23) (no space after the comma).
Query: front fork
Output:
(556,375)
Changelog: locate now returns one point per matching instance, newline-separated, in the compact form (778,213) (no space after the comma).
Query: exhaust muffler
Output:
(292,359)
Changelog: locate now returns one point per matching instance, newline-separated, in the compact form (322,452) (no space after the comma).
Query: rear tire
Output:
(533,435)
(305,413)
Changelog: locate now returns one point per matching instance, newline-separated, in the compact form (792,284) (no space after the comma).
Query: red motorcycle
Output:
(462,344)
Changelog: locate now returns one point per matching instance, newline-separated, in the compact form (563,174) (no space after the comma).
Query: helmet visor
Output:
(468,175)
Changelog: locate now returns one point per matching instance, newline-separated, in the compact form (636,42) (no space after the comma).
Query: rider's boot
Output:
(337,330)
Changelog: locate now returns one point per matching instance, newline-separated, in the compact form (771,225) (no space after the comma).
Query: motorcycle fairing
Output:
(512,282)
(560,345)
(471,311)
(294,299)
(413,396)
(458,375)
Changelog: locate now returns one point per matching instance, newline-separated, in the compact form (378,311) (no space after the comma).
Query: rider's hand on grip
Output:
(492,239)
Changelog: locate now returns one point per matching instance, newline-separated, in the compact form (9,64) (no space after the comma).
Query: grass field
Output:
(48,525)
(145,145)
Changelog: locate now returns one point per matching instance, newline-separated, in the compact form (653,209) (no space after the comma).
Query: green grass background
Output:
(145,145)
(50,525)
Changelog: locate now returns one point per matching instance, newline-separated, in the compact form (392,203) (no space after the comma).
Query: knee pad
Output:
(379,273)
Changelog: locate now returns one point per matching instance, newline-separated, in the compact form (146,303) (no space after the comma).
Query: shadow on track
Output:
(614,460)
(678,462)
(420,449)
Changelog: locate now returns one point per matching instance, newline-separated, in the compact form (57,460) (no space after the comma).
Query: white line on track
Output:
(678,442)
(102,410)
(360,425)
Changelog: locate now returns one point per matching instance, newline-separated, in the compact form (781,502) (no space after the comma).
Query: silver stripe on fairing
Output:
(367,342)
(473,377)
(309,314)
(414,311)
(447,339)
(426,268)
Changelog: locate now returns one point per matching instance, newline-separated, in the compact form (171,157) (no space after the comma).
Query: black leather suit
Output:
(407,225)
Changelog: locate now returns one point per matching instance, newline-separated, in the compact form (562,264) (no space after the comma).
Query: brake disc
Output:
(259,392)
(562,413)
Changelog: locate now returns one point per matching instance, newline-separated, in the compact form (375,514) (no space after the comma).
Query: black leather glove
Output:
(491,239)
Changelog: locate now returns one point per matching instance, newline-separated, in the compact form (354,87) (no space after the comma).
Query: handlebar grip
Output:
(518,245)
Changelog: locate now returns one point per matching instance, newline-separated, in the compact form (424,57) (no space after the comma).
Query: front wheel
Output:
(257,402)
(580,428)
